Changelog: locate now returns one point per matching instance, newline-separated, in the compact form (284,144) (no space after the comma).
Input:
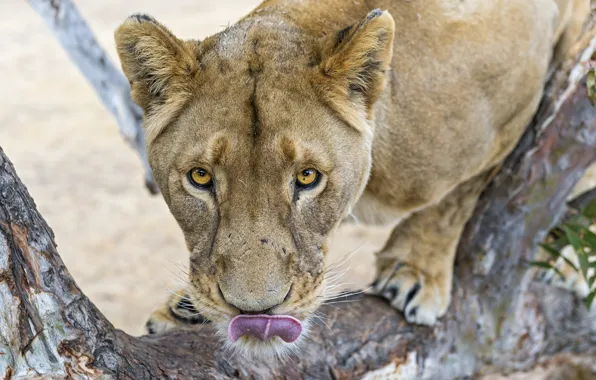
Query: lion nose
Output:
(248,304)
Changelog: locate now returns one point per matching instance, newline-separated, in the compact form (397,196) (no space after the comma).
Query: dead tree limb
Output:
(75,36)
(499,320)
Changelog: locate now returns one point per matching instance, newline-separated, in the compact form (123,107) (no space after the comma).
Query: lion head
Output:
(260,141)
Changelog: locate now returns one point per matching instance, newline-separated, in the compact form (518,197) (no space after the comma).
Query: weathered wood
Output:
(78,40)
(500,318)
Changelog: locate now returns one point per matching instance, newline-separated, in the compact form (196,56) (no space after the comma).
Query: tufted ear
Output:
(156,63)
(354,66)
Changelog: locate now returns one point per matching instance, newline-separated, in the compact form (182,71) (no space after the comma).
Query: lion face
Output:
(257,235)
(259,152)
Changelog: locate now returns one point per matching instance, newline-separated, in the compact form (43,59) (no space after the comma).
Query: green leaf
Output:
(590,240)
(573,236)
(578,245)
(576,227)
(588,301)
(547,265)
(584,264)
(590,210)
(591,281)
(553,252)
(560,243)
(588,237)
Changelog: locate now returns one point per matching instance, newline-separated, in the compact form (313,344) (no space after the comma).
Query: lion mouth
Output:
(264,327)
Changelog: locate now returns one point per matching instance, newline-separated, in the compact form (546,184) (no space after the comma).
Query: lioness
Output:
(264,137)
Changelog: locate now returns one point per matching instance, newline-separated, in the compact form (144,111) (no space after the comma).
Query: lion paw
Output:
(421,298)
(178,312)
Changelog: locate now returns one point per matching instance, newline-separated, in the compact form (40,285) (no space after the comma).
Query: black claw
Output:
(193,319)
(185,304)
(397,267)
(374,284)
(413,311)
(393,292)
(412,293)
(182,310)
(149,327)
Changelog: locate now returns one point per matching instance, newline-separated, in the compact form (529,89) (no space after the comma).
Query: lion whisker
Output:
(319,317)
(184,281)
(331,273)
(336,285)
(331,305)
(180,266)
(203,324)
(348,294)
(336,302)
(355,218)
(345,258)
(341,293)
(184,297)
(335,275)
(230,348)
(335,292)
(334,278)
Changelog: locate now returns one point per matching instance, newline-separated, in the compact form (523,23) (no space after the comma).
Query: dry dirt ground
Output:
(121,244)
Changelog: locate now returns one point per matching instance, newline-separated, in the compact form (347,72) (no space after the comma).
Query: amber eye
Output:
(200,177)
(307,178)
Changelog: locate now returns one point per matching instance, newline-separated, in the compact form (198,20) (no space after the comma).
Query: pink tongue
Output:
(263,327)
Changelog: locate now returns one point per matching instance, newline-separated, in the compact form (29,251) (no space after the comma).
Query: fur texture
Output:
(404,111)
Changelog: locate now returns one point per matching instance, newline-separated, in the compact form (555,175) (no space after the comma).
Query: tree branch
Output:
(499,320)
(75,36)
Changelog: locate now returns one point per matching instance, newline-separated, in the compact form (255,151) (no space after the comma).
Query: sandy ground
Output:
(122,246)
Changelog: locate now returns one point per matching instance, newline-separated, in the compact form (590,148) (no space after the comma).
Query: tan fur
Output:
(404,111)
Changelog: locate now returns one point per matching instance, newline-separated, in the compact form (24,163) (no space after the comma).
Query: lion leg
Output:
(572,16)
(178,312)
(415,268)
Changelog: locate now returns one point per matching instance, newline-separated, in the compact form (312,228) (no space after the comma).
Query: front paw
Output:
(178,312)
(420,297)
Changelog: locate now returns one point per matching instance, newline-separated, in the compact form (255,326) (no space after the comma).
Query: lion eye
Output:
(307,178)
(200,177)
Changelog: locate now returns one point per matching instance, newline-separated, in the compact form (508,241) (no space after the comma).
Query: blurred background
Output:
(121,244)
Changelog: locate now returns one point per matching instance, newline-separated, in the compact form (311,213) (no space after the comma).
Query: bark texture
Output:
(500,319)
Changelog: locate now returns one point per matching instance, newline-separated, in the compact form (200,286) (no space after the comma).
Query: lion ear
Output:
(355,65)
(156,63)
